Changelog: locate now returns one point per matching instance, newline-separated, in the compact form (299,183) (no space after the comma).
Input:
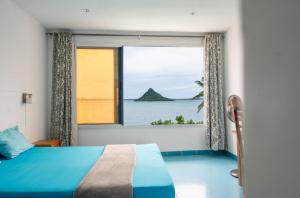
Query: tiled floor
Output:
(203,176)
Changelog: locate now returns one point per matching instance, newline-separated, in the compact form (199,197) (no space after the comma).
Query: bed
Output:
(57,172)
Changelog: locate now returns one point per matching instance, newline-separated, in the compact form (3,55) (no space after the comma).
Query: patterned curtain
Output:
(61,103)
(213,91)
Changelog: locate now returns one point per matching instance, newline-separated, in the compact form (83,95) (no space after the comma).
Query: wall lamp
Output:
(26,98)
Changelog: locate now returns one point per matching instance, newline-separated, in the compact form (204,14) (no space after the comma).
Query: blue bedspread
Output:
(57,171)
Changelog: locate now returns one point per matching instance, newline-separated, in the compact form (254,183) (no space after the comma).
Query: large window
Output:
(140,85)
(160,85)
(97,85)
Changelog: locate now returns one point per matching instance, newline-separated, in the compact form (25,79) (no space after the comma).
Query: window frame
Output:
(119,42)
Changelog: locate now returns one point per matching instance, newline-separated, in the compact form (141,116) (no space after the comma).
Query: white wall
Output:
(168,138)
(271,68)
(22,69)
(233,73)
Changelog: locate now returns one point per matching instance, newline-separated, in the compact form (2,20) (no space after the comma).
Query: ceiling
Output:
(134,15)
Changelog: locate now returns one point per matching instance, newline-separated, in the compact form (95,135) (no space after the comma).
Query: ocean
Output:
(143,113)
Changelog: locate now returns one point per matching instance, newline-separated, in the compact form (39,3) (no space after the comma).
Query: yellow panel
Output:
(96,88)
(95,112)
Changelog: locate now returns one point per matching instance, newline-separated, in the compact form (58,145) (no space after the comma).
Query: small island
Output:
(152,95)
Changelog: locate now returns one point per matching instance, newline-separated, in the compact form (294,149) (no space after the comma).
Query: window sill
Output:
(109,126)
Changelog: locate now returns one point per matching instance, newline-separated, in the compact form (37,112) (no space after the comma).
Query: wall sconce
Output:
(27,98)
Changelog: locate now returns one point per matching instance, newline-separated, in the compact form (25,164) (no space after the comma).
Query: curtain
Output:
(213,91)
(61,100)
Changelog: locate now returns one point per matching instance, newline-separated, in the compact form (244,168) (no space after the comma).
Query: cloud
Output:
(152,77)
(162,60)
(178,88)
(169,70)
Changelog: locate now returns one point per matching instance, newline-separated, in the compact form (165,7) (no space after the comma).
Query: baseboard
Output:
(199,152)
(233,156)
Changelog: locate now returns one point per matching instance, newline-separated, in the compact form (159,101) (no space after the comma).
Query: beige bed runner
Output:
(111,175)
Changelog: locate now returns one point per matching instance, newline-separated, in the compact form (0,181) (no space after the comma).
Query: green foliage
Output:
(160,122)
(190,122)
(178,120)
(199,95)
(167,122)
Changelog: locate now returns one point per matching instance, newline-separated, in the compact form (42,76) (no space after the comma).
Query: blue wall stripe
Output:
(199,152)
(233,156)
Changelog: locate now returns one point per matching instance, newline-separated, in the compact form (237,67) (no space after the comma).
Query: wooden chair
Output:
(235,114)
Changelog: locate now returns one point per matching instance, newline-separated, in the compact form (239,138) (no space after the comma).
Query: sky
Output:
(171,71)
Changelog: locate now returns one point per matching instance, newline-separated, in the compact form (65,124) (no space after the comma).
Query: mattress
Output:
(57,172)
